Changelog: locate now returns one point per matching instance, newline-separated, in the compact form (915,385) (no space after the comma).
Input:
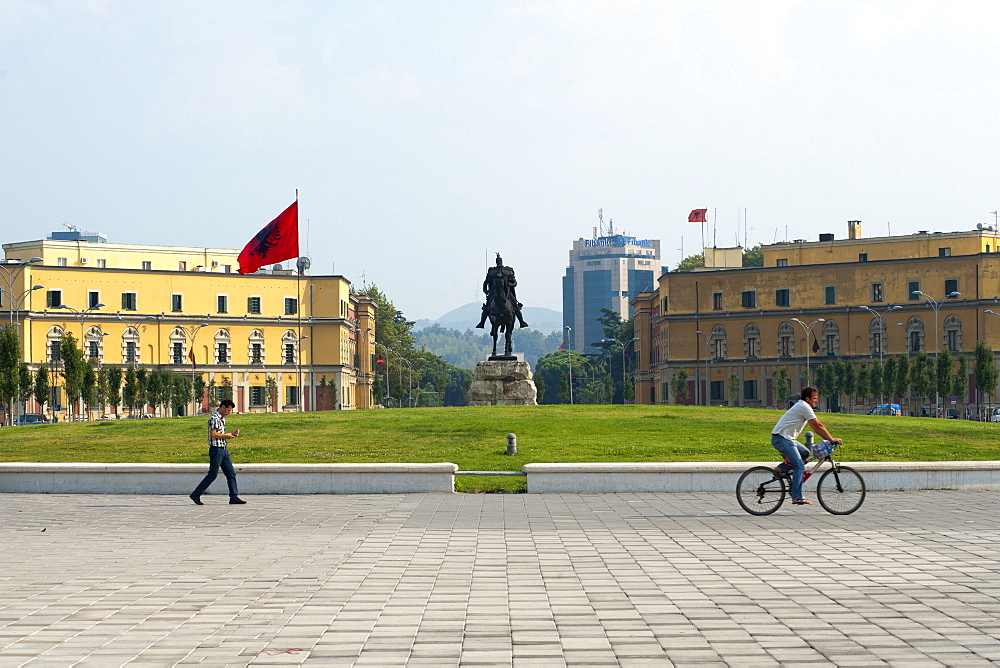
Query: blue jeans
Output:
(794,452)
(218,458)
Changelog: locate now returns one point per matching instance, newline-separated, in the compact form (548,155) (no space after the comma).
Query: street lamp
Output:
(882,333)
(190,333)
(569,356)
(624,346)
(707,355)
(808,329)
(15,302)
(936,305)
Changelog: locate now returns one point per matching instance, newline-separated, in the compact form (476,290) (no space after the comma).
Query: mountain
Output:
(466,317)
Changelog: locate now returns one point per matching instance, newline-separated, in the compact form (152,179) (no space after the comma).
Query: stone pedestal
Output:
(502,383)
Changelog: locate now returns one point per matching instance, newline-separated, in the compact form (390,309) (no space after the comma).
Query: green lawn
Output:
(475,438)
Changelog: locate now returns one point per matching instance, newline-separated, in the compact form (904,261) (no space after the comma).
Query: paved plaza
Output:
(912,579)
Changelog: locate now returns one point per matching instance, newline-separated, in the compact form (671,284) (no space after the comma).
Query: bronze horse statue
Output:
(501,315)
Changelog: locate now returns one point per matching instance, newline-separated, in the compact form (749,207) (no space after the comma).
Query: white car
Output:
(994,415)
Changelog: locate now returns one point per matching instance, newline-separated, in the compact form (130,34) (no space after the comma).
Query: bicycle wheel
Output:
(841,490)
(759,491)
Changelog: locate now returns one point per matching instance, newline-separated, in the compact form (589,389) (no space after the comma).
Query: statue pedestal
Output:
(502,383)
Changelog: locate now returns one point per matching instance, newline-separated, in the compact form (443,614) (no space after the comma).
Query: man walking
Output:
(218,454)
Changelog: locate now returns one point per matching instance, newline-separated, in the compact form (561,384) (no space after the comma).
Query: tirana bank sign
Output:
(617,240)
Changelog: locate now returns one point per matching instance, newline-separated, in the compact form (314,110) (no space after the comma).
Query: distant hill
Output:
(465,348)
(465,317)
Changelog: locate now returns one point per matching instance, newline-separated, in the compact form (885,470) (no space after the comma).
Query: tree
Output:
(155,390)
(782,386)
(141,384)
(41,389)
(961,385)
(25,382)
(734,389)
(691,262)
(875,379)
(679,385)
(945,379)
(754,257)
(846,381)
(563,391)
(270,394)
(131,391)
(181,391)
(102,387)
(225,389)
(199,392)
(862,383)
(824,383)
(985,371)
(10,357)
(114,387)
(922,375)
(889,378)
(88,386)
(901,381)
(74,366)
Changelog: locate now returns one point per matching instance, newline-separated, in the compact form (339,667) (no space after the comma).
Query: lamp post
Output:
(190,333)
(808,329)
(624,347)
(298,364)
(882,333)
(569,356)
(707,355)
(936,305)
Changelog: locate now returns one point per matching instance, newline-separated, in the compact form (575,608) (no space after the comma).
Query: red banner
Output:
(697,216)
(277,242)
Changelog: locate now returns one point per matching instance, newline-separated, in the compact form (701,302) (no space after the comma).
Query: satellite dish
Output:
(979,226)
(302,264)
(277,267)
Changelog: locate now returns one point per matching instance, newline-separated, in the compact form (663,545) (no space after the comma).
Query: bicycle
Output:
(841,490)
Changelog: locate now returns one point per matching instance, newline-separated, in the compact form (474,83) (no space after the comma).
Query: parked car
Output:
(886,409)
(138,416)
(994,415)
(31,418)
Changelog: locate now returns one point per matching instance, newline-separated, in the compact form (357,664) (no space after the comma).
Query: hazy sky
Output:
(424,136)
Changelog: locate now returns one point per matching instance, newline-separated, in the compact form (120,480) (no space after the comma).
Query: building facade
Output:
(282,341)
(605,272)
(813,303)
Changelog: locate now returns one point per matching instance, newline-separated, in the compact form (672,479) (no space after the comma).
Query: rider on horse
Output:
(499,288)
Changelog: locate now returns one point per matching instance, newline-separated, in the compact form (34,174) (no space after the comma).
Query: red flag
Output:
(277,242)
(191,357)
(697,215)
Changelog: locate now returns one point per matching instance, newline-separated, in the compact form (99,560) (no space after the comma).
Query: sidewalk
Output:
(458,579)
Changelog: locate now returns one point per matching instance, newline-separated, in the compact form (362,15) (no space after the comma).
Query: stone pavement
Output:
(912,579)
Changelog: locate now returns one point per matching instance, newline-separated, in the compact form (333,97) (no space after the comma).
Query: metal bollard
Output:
(810,438)
(511,444)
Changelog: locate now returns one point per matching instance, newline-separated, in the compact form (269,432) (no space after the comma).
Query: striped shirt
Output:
(217,423)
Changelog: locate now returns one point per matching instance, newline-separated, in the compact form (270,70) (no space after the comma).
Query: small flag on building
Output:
(815,345)
(697,215)
(277,242)
(191,357)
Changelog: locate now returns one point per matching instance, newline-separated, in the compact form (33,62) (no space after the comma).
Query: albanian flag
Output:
(277,242)
(697,215)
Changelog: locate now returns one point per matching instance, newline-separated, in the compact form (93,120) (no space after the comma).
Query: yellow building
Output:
(813,303)
(186,310)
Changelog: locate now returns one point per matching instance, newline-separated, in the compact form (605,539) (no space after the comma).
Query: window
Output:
(227,269)
(93,350)
(831,294)
(665,302)
(222,303)
(717,301)
(177,352)
(61,262)
(750,390)
(130,352)
(950,286)
(786,340)
(221,353)
(952,340)
(782,297)
(953,333)
(717,342)
(717,390)
(876,292)
(831,338)
(749,299)
(54,351)
(256,354)
(914,342)
(912,288)
(147,265)
(289,353)
(53,298)
(291,395)
(877,343)
(782,262)
(751,341)
(291,306)
(944,252)
(862,257)
(176,302)
(129,301)
(102,264)
(182,265)
(93,298)
(257,395)
(253,305)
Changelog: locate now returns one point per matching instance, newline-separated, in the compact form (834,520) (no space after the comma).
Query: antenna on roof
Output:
(71,228)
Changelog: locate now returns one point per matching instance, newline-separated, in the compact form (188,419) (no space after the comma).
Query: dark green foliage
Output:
(41,388)
(691,262)
(754,257)
(679,386)
(986,370)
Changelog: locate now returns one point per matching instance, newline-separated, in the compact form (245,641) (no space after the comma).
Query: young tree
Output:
(679,385)
(782,386)
(875,377)
(10,357)
(944,378)
(141,383)
(270,394)
(131,391)
(960,387)
(985,371)
(225,389)
(41,389)
(88,387)
(181,392)
(199,392)
(25,383)
(734,389)
(862,384)
(754,257)
(922,375)
(74,365)
(102,388)
(901,379)
(114,387)
(691,262)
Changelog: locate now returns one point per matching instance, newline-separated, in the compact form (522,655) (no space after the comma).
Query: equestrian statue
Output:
(501,306)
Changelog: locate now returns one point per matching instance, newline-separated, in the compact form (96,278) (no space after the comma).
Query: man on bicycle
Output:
(785,432)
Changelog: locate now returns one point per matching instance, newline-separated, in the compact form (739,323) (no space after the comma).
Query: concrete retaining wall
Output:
(722,477)
(253,478)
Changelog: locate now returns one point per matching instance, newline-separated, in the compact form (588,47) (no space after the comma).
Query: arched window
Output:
(223,347)
(717,342)
(178,346)
(915,334)
(255,347)
(876,337)
(52,342)
(289,348)
(751,341)
(786,340)
(93,344)
(953,333)
(831,338)
(130,345)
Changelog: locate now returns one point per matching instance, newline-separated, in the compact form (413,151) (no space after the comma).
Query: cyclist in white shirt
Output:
(788,428)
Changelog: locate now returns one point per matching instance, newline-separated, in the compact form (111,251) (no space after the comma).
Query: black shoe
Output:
(196,498)
(235,500)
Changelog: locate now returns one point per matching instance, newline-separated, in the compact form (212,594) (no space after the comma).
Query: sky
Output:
(424,137)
